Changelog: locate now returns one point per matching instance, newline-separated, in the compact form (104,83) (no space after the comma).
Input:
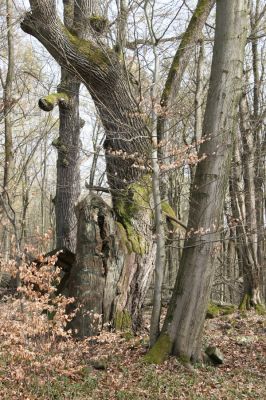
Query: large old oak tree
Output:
(115,250)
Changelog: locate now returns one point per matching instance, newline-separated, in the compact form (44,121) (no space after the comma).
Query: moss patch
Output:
(160,351)
(245,303)
(260,309)
(89,50)
(123,236)
(98,23)
(185,43)
(127,207)
(123,321)
(216,310)
(169,212)
(47,103)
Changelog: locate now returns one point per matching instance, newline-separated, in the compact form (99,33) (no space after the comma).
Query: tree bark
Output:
(67,145)
(100,69)
(182,330)
(127,143)
(113,268)
(250,235)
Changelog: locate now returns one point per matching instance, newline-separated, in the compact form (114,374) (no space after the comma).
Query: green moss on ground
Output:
(260,309)
(160,351)
(246,305)
(216,310)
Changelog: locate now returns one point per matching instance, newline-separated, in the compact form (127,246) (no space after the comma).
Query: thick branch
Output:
(182,57)
(100,69)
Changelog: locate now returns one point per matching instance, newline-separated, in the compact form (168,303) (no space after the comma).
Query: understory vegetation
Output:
(40,359)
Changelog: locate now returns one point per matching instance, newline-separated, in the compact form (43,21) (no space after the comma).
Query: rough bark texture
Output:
(67,145)
(101,70)
(183,325)
(109,279)
(8,98)
(68,175)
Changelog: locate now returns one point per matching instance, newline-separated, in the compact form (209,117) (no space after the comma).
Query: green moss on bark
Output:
(47,103)
(202,7)
(98,23)
(89,50)
(160,351)
(123,321)
(128,206)
(169,211)
(260,309)
(245,303)
(123,237)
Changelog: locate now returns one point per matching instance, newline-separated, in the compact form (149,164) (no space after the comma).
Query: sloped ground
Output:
(110,367)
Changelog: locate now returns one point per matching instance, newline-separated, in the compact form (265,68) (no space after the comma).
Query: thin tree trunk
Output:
(158,215)
(251,267)
(8,98)
(8,101)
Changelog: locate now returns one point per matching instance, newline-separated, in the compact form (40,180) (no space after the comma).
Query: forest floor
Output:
(111,367)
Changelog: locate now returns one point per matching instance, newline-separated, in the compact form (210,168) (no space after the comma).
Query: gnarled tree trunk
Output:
(113,266)
(119,279)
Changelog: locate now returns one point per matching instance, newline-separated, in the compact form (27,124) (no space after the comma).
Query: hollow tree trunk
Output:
(182,330)
(113,265)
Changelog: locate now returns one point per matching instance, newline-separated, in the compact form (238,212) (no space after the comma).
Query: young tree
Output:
(182,330)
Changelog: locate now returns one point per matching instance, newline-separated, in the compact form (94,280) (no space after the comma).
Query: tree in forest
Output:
(22,139)
(246,181)
(115,248)
(183,325)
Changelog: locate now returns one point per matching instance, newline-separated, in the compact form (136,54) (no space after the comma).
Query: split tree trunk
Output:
(182,330)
